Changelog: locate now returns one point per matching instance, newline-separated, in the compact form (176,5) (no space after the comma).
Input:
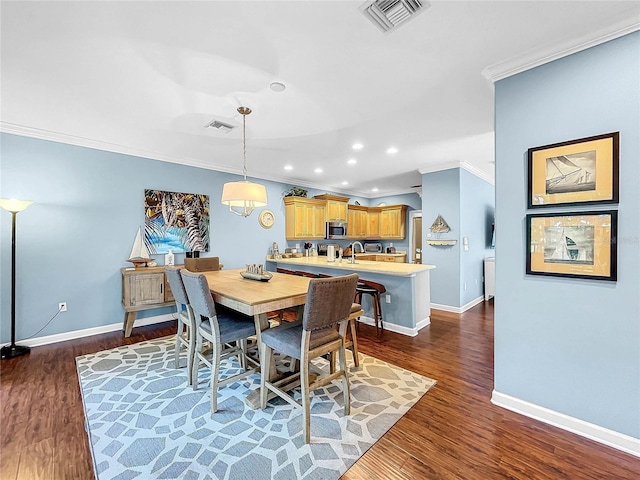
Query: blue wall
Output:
(477,200)
(466,202)
(572,346)
(441,196)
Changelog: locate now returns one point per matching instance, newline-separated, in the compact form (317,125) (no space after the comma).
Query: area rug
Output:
(144,422)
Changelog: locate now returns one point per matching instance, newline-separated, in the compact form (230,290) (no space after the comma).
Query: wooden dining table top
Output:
(253,297)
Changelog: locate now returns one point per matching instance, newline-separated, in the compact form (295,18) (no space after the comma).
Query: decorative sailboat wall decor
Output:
(440,226)
(139,254)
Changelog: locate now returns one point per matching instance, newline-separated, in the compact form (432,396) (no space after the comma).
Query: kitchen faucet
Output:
(353,251)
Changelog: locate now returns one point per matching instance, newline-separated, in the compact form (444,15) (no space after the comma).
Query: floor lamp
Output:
(14,206)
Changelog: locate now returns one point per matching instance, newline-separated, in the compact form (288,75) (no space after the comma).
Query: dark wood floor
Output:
(454,432)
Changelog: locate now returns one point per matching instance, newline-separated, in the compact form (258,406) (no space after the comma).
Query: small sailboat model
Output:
(139,254)
(439,226)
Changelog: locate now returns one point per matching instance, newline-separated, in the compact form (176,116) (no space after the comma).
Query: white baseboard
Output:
(462,309)
(594,432)
(87,332)
(392,327)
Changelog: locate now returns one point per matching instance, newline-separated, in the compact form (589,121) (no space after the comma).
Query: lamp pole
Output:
(14,206)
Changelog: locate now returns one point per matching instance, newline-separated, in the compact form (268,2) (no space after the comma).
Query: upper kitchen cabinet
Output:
(336,207)
(373,222)
(392,221)
(304,218)
(357,221)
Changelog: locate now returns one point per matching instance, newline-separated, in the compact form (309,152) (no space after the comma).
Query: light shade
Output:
(242,197)
(14,205)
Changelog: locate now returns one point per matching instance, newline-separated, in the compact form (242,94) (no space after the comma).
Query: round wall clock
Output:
(267,218)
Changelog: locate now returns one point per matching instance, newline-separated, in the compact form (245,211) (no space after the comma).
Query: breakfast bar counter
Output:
(406,306)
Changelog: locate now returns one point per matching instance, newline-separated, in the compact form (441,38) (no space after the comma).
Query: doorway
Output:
(415,236)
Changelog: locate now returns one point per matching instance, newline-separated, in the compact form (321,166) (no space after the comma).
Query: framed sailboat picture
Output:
(577,244)
(583,171)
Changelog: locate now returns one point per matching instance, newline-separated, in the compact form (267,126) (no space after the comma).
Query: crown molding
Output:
(438,167)
(58,137)
(539,56)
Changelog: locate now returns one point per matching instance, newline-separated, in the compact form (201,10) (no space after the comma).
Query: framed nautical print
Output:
(583,171)
(578,244)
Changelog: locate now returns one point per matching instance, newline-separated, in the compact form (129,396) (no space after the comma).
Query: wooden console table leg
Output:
(129,318)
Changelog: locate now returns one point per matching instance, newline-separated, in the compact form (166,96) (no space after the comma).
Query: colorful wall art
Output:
(176,221)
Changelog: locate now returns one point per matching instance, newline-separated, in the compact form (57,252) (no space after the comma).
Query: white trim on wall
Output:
(462,309)
(456,164)
(87,332)
(392,327)
(539,56)
(608,437)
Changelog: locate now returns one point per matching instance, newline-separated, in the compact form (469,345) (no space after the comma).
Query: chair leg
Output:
(345,380)
(380,313)
(306,398)
(215,371)
(354,341)
(374,304)
(191,352)
(196,361)
(176,353)
(265,361)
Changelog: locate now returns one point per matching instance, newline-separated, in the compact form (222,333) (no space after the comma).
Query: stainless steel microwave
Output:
(335,230)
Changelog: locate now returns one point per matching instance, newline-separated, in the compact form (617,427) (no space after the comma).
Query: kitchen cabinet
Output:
(335,207)
(143,289)
(304,218)
(357,220)
(391,258)
(373,223)
(392,221)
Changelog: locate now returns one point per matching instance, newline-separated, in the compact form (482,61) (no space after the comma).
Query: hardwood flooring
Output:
(453,432)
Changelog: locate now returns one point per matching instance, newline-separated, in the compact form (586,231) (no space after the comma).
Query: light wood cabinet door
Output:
(144,289)
(392,222)
(304,218)
(336,211)
(373,224)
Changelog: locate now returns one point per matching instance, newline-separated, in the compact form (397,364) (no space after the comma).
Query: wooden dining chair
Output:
(221,327)
(328,302)
(187,328)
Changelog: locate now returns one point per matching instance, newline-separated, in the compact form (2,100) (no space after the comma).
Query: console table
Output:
(143,288)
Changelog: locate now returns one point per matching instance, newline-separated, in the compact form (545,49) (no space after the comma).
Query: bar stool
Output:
(367,287)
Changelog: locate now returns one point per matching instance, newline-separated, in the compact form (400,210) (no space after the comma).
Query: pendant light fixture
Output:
(242,197)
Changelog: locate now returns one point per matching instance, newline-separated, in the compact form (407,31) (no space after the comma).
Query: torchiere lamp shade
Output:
(13,205)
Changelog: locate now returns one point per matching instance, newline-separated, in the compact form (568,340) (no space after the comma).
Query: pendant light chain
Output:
(244,142)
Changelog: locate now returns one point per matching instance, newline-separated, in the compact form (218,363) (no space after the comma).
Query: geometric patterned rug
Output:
(144,422)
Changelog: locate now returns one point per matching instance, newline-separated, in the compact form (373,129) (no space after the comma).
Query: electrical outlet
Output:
(476,281)
(62,306)
(465,285)
(387,298)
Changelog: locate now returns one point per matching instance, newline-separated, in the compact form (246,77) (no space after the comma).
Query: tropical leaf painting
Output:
(176,221)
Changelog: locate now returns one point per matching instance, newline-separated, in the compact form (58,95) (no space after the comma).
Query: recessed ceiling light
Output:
(392,150)
(277,86)
(345,183)
(352,161)
(288,167)
(357,146)
(318,170)
(374,189)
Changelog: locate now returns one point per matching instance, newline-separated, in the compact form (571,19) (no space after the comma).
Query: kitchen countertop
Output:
(385,268)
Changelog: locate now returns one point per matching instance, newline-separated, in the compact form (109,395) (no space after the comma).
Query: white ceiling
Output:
(144,78)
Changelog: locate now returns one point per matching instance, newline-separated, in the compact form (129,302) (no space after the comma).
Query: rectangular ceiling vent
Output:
(220,126)
(387,15)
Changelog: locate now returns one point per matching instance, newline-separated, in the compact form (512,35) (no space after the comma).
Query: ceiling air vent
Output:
(387,15)
(220,126)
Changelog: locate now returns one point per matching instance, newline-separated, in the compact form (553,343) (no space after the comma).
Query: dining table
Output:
(255,298)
